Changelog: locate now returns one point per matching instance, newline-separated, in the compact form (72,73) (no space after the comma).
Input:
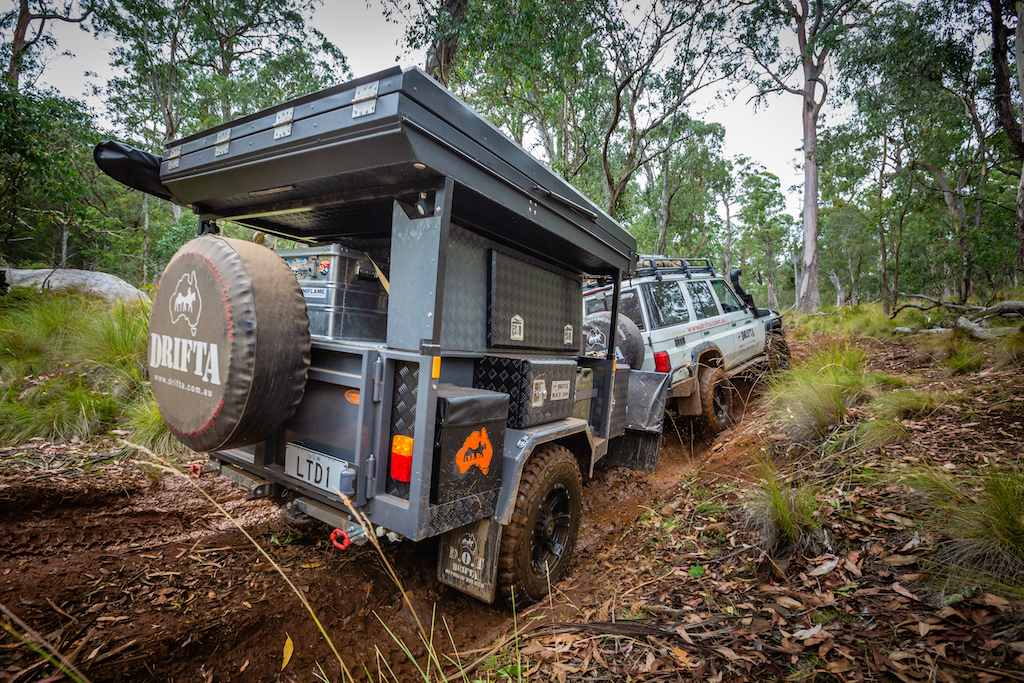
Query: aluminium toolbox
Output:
(344,296)
(540,389)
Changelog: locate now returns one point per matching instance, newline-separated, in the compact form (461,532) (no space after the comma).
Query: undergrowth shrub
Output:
(980,521)
(114,345)
(865,320)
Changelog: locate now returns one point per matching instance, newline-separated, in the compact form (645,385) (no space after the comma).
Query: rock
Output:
(110,287)
(902,330)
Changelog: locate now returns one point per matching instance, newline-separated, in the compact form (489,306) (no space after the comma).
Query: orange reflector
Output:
(436,372)
(401,458)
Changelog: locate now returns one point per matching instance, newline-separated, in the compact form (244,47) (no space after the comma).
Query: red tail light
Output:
(401,458)
(661,362)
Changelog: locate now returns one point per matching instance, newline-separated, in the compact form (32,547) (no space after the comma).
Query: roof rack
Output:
(654,265)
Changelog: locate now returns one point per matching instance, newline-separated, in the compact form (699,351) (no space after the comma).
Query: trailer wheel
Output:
(715,399)
(779,355)
(229,344)
(537,543)
(628,338)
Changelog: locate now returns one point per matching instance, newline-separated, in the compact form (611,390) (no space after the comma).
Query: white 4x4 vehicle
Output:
(678,316)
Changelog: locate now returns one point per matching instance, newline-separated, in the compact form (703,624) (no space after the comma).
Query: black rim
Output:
(722,401)
(551,532)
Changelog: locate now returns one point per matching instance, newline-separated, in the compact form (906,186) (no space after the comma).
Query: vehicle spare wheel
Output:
(627,337)
(228,343)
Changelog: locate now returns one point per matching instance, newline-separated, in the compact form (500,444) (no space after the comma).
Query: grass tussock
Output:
(907,404)
(783,513)
(815,398)
(980,519)
(72,366)
(147,429)
(1011,349)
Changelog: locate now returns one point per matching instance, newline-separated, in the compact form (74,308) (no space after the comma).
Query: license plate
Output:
(313,468)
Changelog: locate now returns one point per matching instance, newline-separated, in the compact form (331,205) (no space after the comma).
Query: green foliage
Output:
(964,357)
(866,320)
(114,343)
(36,327)
(878,433)
(783,512)
(814,398)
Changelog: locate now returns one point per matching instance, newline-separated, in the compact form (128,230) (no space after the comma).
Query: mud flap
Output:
(468,558)
(635,450)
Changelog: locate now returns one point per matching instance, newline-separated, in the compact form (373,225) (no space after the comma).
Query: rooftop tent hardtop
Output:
(331,164)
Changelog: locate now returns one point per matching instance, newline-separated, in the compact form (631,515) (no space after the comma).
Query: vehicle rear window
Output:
(704,305)
(667,304)
(629,306)
(726,297)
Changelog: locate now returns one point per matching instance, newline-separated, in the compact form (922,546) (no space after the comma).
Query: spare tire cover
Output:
(628,339)
(228,343)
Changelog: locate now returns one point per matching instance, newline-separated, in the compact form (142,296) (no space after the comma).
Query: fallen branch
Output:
(974,329)
(935,303)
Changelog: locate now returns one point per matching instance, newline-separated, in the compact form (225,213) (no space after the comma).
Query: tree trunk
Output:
(727,242)
(809,298)
(1019,58)
(838,284)
(18,44)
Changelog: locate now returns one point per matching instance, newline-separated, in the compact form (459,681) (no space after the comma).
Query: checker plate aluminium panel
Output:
(540,389)
(403,414)
(529,307)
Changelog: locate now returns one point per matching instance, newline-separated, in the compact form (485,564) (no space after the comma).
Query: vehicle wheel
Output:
(537,543)
(229,343)
(779,355)
(715,399)
(628,338)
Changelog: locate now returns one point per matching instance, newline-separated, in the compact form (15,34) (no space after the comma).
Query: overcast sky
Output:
(770,135)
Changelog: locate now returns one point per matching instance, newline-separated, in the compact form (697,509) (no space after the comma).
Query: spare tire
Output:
(628,339)
(228,343)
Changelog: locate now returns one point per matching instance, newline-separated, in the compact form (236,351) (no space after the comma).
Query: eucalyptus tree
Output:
(918,66)
(1009,87)
(762,30)
(234,42)
(765,224)
(682,185)
(660,56)
(28,23)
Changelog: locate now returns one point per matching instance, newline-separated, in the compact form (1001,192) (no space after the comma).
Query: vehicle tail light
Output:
(661,362)
(401,458)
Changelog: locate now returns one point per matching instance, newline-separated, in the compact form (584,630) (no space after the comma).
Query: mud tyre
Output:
(716,399)
(779,355)
(628,338)
(229,343)
(537,544)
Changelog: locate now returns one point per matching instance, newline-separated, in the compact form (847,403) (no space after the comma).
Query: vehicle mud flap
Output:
(468,558)
(635,450)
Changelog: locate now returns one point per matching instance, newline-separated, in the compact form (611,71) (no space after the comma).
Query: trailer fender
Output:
(519,445)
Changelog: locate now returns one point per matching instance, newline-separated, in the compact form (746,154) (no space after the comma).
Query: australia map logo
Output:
(476,451)
(186,302)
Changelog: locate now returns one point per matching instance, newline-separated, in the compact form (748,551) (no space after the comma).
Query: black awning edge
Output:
(135,168)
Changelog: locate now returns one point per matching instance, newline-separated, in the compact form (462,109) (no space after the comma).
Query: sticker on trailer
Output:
(567,335)
(314,292)
(560,390)
(324,269)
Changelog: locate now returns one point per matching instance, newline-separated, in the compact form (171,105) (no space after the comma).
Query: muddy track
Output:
(147,581)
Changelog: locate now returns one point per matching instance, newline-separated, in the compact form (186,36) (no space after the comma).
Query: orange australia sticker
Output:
(352,396)
(477,451)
